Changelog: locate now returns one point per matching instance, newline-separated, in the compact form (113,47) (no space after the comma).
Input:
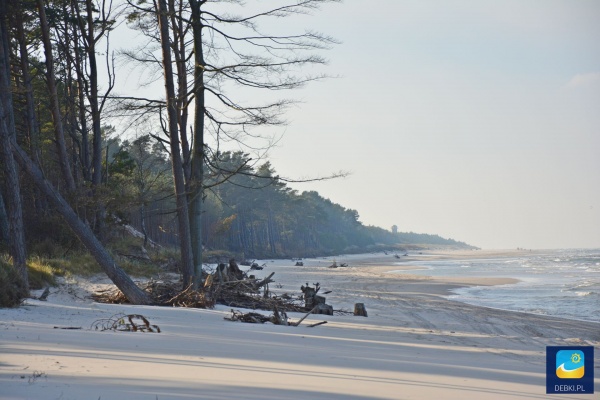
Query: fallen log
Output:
(265,281)
(83,232)
(303,318)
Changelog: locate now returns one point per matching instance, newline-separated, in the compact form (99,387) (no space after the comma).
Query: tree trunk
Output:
(4,232)
(77,62)
(15,212)
(143,223)
(54,105)
(32,124)
(197,161)
(133,293)
(187,261)
(93,96)
(179,48)
(7,135)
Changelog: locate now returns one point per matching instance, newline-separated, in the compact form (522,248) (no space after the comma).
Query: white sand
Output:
(415,344)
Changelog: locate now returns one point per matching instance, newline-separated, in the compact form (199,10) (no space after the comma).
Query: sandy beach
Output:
(415,344)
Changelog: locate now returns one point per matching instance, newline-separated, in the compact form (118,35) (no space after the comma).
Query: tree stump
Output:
(360,310)
(323,308)
(309,296)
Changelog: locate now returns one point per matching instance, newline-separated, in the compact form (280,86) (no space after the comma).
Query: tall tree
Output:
(180,190)
(240,54)
(94,26)
(59,132)
(223,58)
(8,136)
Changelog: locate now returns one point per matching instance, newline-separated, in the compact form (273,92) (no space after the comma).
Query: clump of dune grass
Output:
(41,274)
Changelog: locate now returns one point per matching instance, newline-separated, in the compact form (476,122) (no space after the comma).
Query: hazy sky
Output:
(474,120)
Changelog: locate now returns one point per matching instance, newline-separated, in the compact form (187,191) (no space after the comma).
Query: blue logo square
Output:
(570,369)
(570,364)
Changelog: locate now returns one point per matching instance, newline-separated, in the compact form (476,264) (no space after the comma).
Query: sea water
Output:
(561,283)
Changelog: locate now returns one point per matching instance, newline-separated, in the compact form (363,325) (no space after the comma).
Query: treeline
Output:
(252,214)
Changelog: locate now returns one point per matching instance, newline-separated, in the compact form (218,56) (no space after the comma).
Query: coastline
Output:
(415,344)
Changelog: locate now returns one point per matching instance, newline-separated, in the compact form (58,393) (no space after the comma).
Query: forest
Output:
(253,214)
(83,155)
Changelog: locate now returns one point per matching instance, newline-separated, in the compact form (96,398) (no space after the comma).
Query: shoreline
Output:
(415,344)
(403,266)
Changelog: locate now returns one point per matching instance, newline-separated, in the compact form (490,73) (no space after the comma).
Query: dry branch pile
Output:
(125,323)
(227,285)
(162,292)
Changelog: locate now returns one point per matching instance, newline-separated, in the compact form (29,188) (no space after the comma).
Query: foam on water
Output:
(562,283)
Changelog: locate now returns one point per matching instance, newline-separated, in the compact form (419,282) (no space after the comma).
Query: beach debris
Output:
(250,317)
(335,265)
(163,292)
(230,286)
(314,302)
(125,323)
(360,310)
(277,318)
(68,327)
(303,318)
(221,286)
(299,264)
(35,376)
(253,265)
(44,295)
(229,272)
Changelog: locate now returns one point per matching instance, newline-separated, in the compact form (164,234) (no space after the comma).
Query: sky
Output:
(474,120)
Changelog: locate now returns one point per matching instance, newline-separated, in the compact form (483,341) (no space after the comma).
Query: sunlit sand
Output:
(414,344)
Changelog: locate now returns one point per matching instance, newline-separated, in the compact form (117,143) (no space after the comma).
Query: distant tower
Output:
(394,229)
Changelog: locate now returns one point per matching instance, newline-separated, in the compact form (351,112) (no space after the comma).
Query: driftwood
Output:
(223,287)
(44,295)
(251,317)
(314,302)
(323,308)
(163,293)
(125,323)
(335,265)
(360,310)
(303,318)
(277,318)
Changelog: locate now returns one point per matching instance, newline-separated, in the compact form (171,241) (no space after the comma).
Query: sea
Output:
(561,283)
